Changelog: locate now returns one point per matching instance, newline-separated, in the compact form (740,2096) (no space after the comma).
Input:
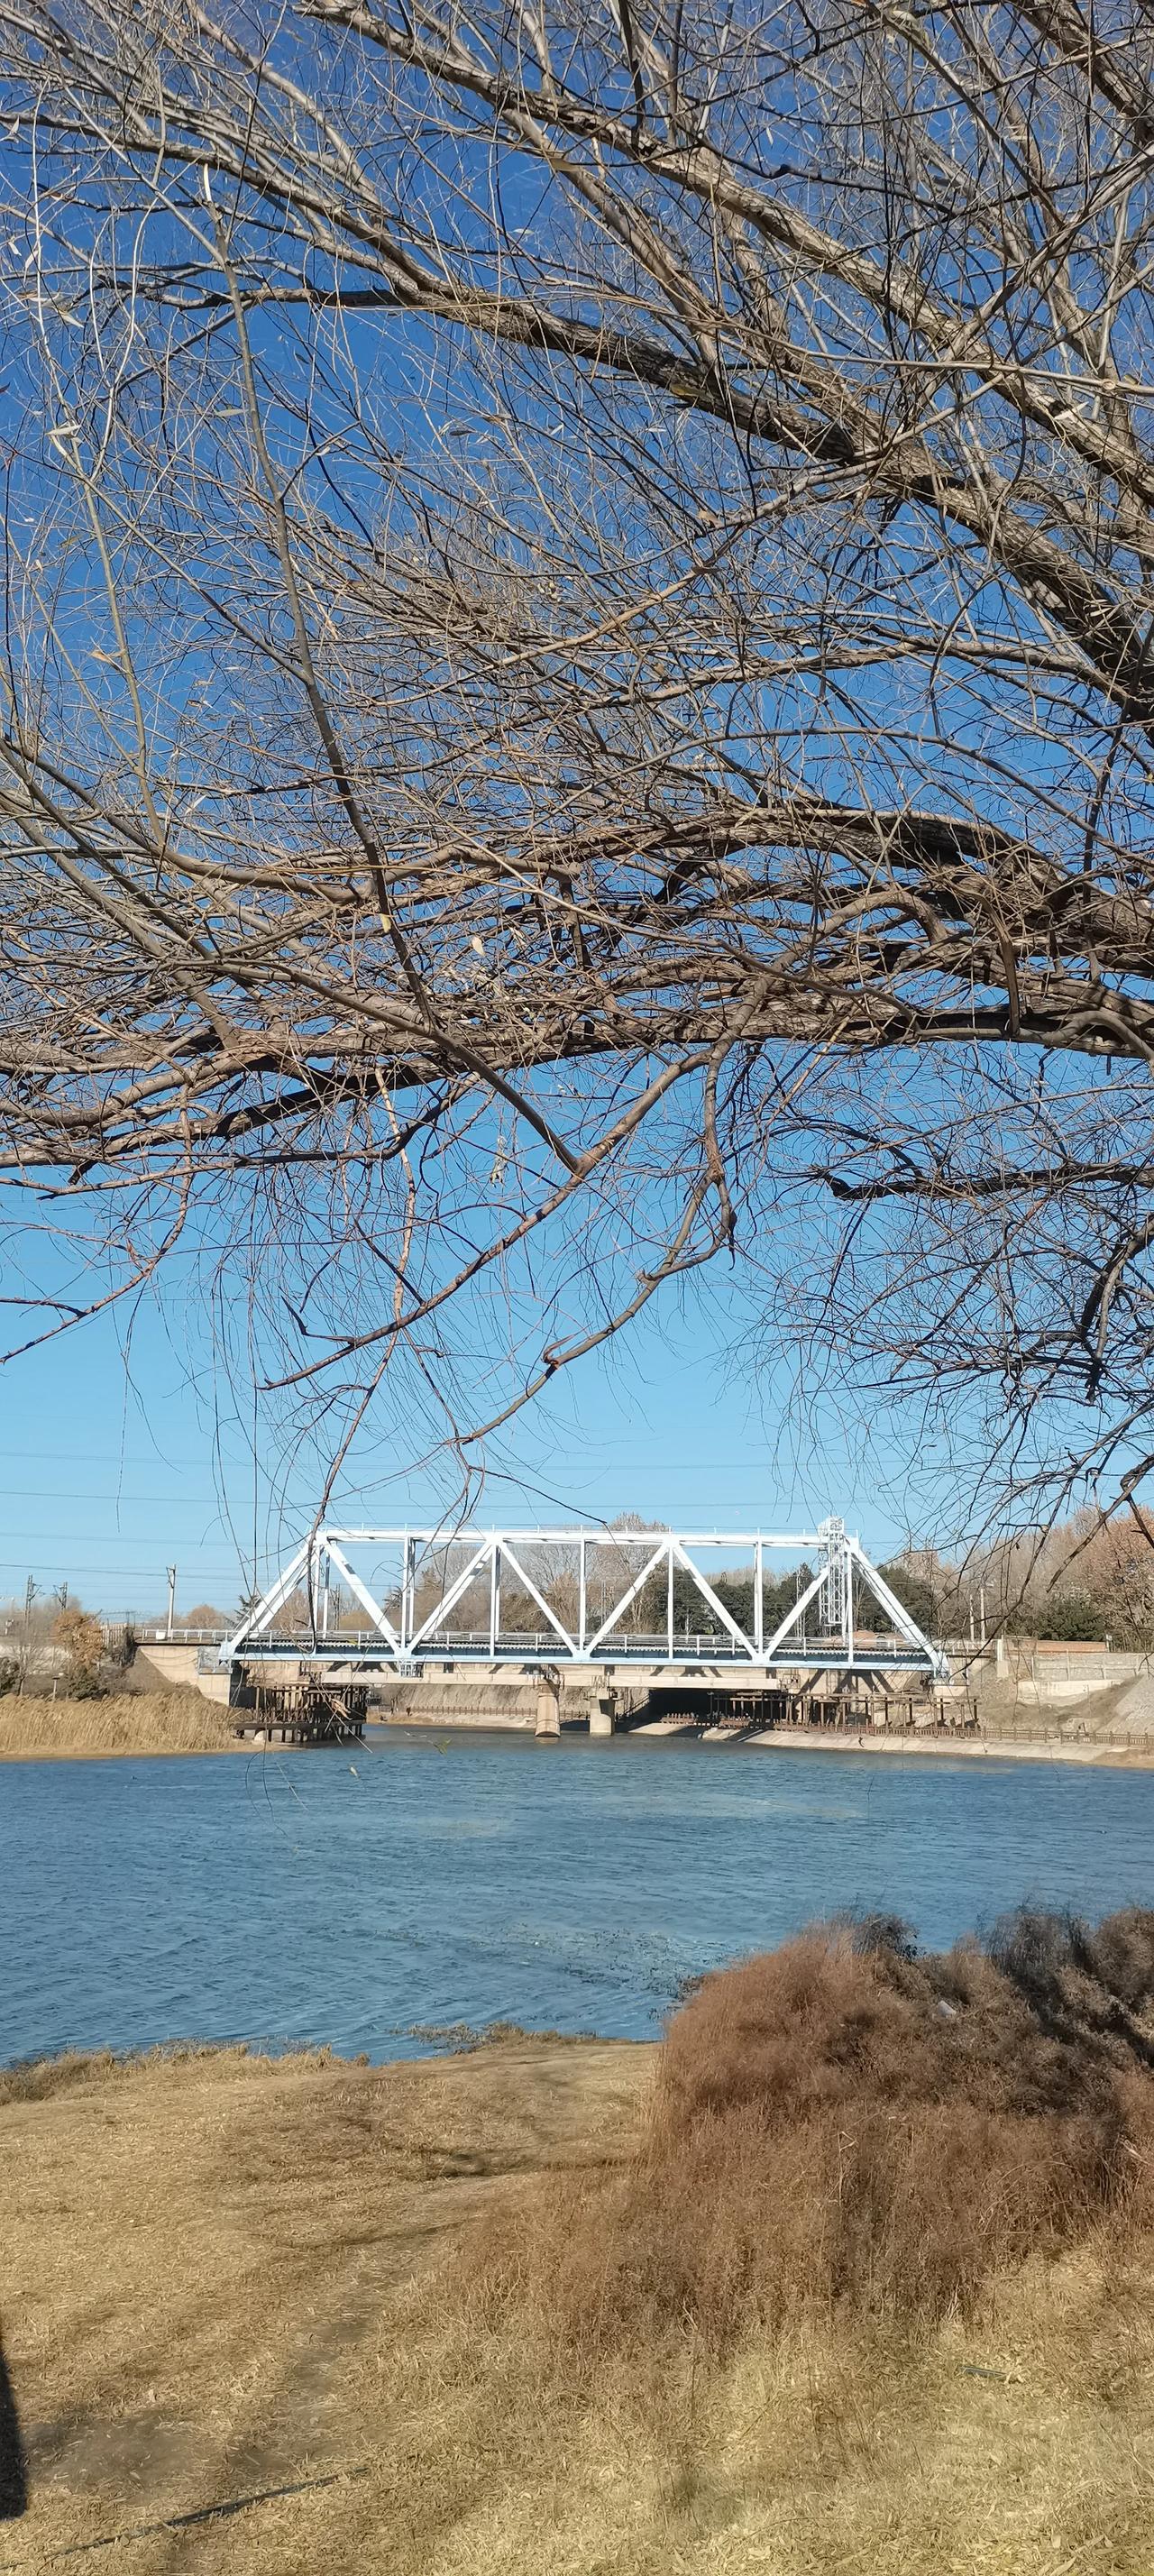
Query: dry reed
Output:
(36,1730)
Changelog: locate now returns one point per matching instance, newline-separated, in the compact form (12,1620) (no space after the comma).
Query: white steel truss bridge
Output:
(565,1597)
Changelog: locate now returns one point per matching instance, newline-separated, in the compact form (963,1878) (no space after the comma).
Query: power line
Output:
(34,1448)
(14,1491)
(83,1539)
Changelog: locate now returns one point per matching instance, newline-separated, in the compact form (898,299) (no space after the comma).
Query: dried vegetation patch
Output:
(840,2129)
(36,1730)
(854,2275)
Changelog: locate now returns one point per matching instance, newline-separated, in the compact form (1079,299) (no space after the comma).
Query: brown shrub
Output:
(840,2126)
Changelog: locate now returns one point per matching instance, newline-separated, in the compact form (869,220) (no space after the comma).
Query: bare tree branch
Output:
(580,591)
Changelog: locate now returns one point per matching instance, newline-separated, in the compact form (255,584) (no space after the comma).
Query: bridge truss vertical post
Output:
(494,1599)
(408,1618)
(669,1600)
(758,1595)
(582,1591)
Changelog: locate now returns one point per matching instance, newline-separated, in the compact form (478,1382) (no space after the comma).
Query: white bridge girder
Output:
(398,1638)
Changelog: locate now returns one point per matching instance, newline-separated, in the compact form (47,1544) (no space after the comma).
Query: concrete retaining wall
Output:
(161,1667)
(1083,1691)
(476,1703)
(440,1703)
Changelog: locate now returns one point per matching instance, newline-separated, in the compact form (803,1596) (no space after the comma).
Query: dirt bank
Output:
(227,2275)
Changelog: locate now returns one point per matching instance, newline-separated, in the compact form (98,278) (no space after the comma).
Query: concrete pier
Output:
(548,1707)
(601,1713)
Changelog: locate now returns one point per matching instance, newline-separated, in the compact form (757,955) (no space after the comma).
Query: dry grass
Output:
(35,2079)
(36,1730)
(224,2273)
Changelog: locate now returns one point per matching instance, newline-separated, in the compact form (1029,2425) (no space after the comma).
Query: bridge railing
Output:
(543,1646)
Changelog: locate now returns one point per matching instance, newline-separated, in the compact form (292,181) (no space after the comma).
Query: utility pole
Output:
(171,1572)
(30,1592)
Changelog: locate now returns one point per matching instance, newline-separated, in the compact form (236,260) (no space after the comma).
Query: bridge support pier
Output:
(602,1709)
(548,1706)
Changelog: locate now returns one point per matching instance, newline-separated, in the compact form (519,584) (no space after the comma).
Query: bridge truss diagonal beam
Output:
(456,1591)
(677,1553)
(797,1613)
(906,1626)
(361,1593)
(262,1615)
(627,1598)
(570,1643)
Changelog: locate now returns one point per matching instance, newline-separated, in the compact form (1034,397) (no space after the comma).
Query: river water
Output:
(369,1899)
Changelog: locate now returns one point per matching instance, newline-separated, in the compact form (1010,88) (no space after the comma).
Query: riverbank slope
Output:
(147,1722)
(227,2275)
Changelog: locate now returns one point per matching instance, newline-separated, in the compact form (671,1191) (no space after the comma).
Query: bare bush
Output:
(80,1635)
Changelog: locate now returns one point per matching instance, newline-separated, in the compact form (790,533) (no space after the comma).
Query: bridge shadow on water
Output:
(13,2464)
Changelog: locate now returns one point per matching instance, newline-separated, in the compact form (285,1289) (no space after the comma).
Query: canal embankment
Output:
(953,1747)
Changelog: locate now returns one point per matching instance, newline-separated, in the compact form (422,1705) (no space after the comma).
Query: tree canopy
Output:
(577,676)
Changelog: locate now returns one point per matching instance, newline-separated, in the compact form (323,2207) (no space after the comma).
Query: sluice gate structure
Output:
(634,1608)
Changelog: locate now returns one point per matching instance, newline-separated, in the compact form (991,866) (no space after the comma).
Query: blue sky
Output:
(115,1465)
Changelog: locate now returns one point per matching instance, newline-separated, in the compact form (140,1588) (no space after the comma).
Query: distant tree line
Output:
(1079,1582)
(692,1614)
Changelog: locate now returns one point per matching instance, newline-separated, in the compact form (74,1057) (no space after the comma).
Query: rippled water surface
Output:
(430,1879)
